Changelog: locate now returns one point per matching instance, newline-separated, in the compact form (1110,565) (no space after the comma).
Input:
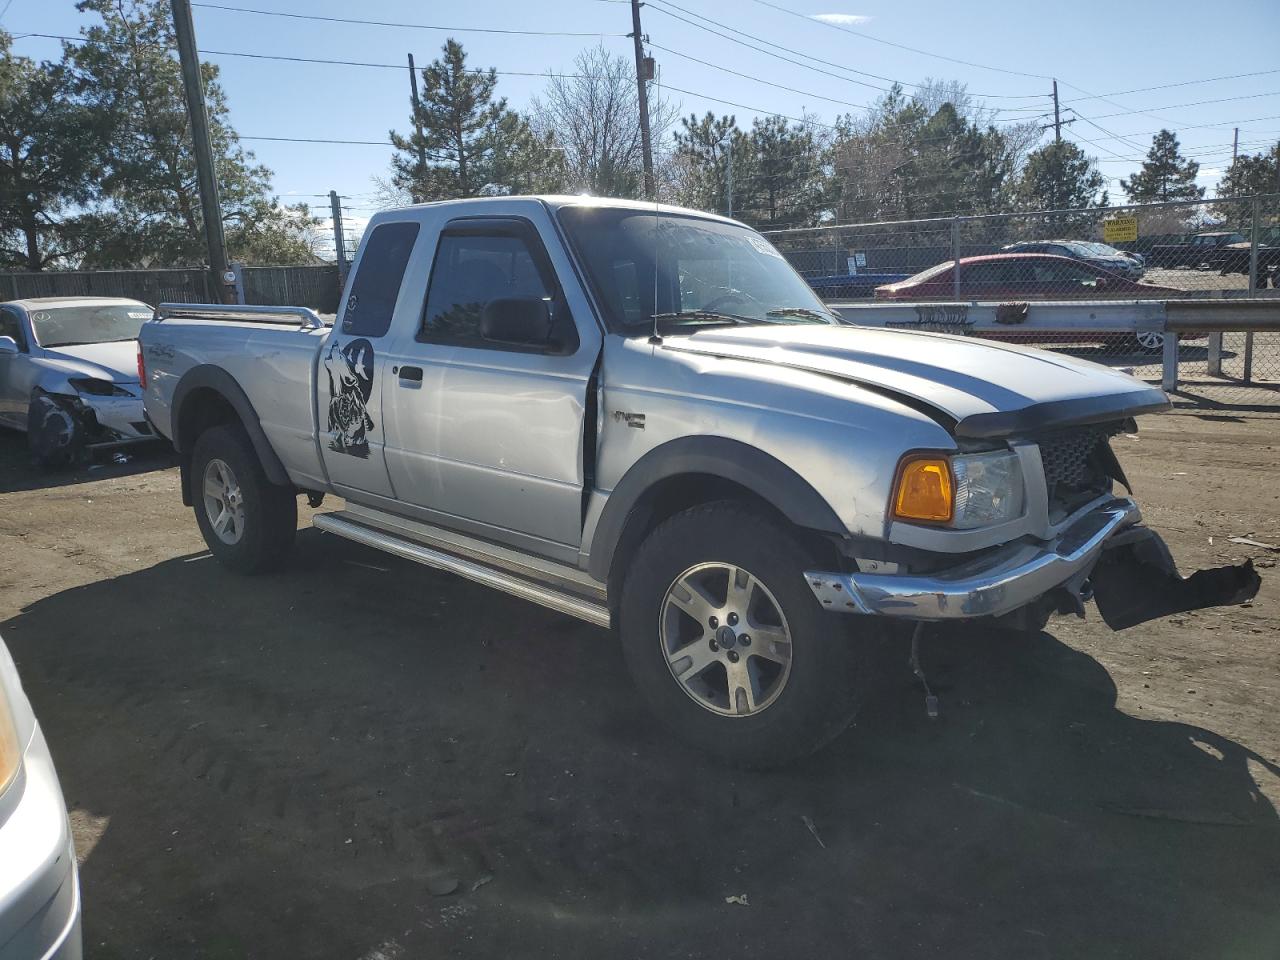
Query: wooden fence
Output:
(314,286)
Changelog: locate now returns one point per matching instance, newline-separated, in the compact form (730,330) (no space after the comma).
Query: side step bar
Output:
(546,596)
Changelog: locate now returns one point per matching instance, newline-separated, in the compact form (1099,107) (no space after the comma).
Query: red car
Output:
(1020,276)
(1033,276)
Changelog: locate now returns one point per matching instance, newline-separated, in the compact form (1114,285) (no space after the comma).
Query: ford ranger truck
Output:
(642,416)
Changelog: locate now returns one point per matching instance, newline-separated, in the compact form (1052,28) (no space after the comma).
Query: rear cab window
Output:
(376,286)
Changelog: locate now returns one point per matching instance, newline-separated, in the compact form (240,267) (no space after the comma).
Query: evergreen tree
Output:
(1165,174)
(471,143)
(1250,175)
(51,150)
(152,217)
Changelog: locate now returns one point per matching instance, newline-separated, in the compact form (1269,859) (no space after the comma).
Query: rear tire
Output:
(248,522)
(745,695)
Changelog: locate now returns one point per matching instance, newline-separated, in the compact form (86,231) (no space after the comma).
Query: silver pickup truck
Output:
(641,416)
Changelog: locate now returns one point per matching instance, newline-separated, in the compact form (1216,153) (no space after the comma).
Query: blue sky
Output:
(1103,48)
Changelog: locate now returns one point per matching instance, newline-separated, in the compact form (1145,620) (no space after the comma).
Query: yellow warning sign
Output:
(1120,230)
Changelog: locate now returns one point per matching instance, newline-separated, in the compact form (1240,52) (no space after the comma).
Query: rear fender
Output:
(191,389)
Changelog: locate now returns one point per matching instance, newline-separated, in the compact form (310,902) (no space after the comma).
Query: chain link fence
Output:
(1215,249)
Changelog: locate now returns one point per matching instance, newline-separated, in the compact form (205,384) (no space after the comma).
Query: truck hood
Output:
(976,388)
(116,361)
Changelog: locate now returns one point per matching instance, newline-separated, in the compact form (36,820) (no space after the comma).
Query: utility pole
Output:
(339,238)
(1057,121)
(729,174)
(417,122)
(210,207)
(644,73)
(1235,145)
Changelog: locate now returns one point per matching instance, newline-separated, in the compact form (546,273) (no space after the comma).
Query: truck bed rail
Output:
(310,320)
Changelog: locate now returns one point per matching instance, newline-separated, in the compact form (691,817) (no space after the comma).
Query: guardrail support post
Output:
(1169,377)
(1248,357)
(1215,354)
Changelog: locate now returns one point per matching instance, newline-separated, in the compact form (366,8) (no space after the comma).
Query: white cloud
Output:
(841,19)
(1209,173)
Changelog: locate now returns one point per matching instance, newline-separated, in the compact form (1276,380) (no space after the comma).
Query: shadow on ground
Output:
(19,472)
(309,764)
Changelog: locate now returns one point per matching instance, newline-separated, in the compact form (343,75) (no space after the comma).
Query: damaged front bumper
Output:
(1105,554)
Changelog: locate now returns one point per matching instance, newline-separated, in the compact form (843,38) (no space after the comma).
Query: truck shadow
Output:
(19,472)
(363,755)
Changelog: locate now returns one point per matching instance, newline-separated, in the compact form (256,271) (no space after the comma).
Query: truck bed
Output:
(267,351)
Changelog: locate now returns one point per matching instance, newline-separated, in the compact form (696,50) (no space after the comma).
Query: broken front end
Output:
(1089,544)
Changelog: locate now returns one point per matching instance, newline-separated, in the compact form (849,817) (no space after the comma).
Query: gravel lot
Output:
(361,758)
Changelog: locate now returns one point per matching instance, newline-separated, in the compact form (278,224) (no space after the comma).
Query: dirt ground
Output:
(360,758)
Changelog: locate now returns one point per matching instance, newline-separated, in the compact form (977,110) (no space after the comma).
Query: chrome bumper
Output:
(988,586)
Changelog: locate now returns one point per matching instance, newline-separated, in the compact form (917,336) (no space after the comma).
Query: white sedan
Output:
(39,885)
(69,375)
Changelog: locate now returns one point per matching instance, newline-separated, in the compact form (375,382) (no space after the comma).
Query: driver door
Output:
(486,435)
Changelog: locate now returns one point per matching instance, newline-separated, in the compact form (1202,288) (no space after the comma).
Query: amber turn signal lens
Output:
(924,490)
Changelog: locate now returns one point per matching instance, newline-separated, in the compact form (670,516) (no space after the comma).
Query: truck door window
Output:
(377,282)
(473,267)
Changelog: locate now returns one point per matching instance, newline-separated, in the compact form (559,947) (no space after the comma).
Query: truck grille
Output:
(1076,465)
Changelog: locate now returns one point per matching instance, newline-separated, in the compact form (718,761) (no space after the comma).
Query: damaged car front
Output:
(69,375)
(1014,508)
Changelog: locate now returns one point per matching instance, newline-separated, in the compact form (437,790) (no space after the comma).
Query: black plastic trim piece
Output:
(1056,414)
(732,460)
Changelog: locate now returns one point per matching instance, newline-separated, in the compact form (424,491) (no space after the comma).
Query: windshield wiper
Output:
(816,315)
(708,315)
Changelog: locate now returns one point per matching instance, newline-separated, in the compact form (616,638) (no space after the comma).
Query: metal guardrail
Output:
(1156,340)
(221,311)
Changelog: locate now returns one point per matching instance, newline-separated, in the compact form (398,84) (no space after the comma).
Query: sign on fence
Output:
(1120,230)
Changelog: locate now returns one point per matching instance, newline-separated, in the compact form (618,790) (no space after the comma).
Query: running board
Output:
(481,573)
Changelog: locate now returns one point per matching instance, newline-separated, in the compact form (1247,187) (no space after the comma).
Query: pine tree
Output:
(152,216)
(1165,174)
(471,144)
(1252,174)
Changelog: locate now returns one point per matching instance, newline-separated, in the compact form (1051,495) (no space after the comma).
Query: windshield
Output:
(95,323)
(687,271)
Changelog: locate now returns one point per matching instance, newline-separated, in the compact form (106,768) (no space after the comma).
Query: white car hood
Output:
(116,361)
(983,388)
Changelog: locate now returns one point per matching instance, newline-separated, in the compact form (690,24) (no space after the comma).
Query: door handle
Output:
(410,374)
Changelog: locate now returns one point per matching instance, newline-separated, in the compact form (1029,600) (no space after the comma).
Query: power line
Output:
(900,46)
(777,46)
(405,26)
(770,83)
(1195,103)
(1167,86)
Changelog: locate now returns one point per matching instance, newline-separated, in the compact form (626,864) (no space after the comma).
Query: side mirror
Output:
(8,345)
(522,321)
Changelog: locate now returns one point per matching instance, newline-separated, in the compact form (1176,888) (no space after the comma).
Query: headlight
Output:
(962,491)
(10,750)
(97,388)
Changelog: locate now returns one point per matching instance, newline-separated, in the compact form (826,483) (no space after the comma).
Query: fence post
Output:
(955,256)
(1169,375)
(1253,285)
(238,270)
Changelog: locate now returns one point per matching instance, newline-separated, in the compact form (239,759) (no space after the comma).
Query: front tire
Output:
(55,435)
(728,645)
(248,522)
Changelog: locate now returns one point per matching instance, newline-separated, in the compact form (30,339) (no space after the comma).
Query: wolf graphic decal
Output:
(350,370)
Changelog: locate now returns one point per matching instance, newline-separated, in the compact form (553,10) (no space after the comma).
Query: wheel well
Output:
(674,494)
(201,409)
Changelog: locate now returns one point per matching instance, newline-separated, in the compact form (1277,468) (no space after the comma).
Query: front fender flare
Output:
(210,377)
(732,460)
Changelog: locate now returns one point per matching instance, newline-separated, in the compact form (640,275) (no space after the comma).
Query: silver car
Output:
(39,884)
(69,374)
